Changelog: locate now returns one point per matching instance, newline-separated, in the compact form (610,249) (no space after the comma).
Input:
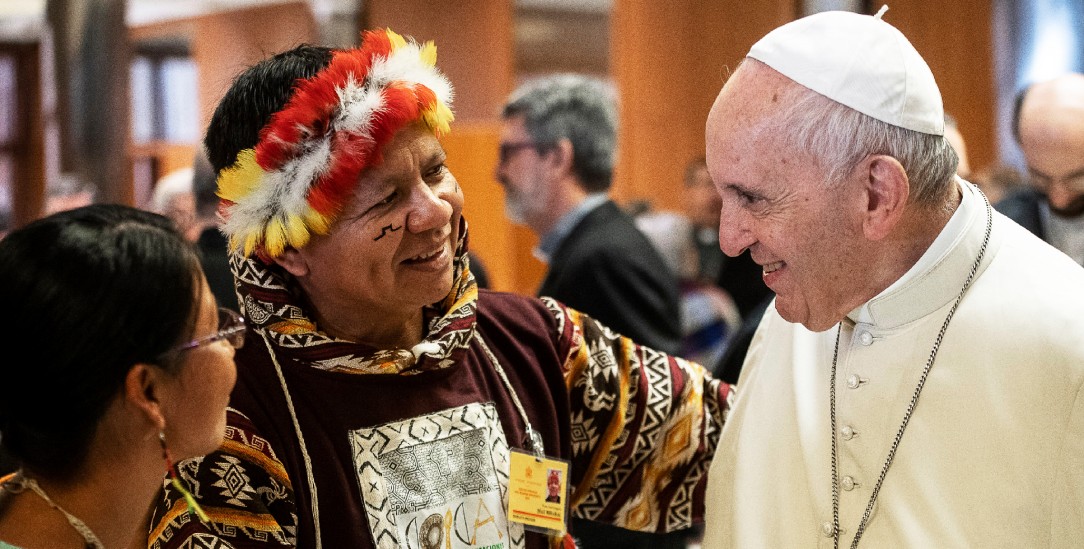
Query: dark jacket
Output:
(608,269)
(1024,207)
(214,258)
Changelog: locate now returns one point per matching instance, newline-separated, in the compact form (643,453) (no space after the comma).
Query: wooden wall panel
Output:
(474,46)
(227,43)
(28,192)
(956,39)
(224,44)
(670,59)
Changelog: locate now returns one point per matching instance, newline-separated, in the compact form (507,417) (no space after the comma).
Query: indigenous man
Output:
(382,399)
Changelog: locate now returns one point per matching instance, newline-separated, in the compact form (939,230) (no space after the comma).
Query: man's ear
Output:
(560,156)
(142,389)
(887,190)
(292,260)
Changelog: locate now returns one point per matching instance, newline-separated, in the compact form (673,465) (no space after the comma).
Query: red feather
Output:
(426,97)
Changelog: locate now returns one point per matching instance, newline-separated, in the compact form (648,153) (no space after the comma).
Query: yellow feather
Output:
(297,234)
(251,240)
(428,53)
(274,240)
(397,41)
(439,118)
(316,222)
(240,179)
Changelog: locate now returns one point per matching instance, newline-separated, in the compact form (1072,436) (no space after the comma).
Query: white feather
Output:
(356,114)
(405,64)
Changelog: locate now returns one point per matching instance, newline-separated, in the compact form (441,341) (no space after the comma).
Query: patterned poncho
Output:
(409,447)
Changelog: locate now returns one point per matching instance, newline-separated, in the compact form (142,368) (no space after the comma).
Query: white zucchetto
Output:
(861,62)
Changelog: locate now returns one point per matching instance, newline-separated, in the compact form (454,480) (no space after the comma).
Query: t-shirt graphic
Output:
(437,481)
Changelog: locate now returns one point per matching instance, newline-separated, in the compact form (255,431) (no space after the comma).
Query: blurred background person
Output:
(1050,129)
(132,366)
(557,152)
(708,315)
(212,245)
(173,198)
(558,146)
(739,277)
(67,192)
(998,181)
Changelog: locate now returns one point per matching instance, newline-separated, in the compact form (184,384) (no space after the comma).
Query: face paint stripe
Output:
(385,229)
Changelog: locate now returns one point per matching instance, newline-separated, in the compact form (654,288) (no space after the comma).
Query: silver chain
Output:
(21,482)
(910,406)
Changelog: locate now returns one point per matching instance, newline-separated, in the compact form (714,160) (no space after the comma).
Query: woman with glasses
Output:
(129,367)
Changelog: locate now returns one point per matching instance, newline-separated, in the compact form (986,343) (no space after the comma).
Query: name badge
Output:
(538,493)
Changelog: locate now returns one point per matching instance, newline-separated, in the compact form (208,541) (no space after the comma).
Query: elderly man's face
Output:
(1052,138)
(775,201)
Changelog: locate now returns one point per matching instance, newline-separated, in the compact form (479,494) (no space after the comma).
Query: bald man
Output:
(1050,128)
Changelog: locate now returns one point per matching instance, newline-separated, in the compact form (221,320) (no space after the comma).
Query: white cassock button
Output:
(847,432)
(866,338)
(827,529)
(853,381)
(847,483)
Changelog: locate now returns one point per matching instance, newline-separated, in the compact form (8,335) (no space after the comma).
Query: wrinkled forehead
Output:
(750,104)
(755,93)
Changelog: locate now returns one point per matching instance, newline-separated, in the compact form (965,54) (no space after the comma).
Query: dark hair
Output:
(259,92)
(1017,106)
(90,292)
(204,185)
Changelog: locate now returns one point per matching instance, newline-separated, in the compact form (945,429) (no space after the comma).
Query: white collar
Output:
(944,243)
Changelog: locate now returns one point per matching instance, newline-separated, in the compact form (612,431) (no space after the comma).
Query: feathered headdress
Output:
(310,154)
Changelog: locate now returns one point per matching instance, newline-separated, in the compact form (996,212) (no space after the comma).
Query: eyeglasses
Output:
(231,327)
(1074,181)
(506,150)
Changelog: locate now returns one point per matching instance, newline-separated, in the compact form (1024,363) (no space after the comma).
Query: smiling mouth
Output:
(772,267)
(421,258)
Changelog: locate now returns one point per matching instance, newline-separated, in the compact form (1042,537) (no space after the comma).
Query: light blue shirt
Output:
(549,242)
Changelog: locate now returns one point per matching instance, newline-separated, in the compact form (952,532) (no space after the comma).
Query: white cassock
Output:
(993,455)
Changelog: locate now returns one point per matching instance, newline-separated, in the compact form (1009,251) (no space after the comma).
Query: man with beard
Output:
(557,152)
(1050,128)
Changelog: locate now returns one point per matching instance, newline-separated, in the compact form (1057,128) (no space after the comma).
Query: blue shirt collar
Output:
(550,241)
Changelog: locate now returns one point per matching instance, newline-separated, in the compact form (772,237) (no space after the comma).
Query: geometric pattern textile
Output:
(437,481)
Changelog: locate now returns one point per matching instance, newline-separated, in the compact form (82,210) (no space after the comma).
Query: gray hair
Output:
(840,137)
(574,107)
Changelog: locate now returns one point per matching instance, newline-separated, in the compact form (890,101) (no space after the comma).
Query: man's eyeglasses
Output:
(506,150)
(1074,181)
(231,327)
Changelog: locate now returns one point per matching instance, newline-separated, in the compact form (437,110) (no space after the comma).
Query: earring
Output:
(193,507)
